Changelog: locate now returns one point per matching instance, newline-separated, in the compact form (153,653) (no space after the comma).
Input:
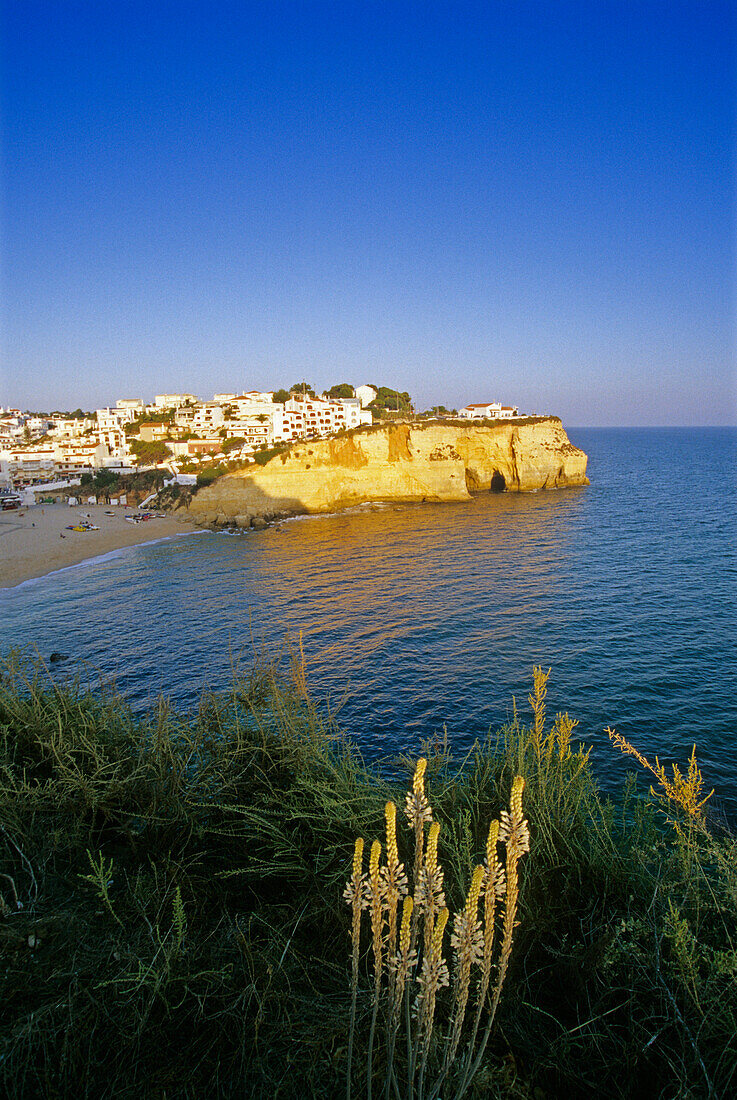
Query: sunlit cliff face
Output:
(402,462)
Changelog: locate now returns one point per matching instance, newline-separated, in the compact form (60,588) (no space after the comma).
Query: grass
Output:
(172,921)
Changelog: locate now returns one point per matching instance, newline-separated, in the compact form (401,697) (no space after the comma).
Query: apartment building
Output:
(208,417)
(254,430)
(136,405)
(322,416)
(153,431)
(174,400)
(116,418)
(29,465)
(287,424)
(62,428)
(252,403)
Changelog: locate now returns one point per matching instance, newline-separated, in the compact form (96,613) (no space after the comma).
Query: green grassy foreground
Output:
(172,921)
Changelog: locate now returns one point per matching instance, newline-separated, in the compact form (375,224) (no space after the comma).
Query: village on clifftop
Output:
(182,434)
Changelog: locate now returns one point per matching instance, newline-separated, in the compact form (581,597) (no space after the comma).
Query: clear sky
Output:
(521,201)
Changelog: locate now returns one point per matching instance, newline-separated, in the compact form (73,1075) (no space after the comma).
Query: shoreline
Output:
(34,541)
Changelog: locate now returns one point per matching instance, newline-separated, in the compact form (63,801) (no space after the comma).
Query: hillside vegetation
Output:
(172,920)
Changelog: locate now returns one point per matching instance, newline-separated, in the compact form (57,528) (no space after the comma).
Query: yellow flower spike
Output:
(474,892)
(515,801)
(431,852)
(437,936)
(358,857)
(406,922)
(491,843)
(418,783)
(374,861)
(354,894)
(390,812)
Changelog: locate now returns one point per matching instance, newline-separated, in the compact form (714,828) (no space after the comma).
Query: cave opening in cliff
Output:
(498,484)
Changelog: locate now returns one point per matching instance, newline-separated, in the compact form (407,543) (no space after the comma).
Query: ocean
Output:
(423,618)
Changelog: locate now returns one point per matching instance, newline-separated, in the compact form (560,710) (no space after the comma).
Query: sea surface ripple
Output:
(430,616)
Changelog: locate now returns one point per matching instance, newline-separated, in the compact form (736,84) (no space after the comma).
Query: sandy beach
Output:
(34,541)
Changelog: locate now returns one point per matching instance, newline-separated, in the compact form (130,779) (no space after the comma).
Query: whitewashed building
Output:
(173,400)
(135,404)
(489,411)
(366,395)
(324,416)
(208,417)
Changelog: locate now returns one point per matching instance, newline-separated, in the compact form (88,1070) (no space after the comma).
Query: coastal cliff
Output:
(400,462)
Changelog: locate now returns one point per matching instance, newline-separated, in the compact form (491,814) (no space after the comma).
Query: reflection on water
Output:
(433,615)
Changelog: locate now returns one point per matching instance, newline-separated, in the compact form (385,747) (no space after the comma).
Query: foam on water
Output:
(109,555)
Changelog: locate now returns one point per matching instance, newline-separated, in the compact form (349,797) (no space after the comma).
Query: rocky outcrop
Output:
(400,462)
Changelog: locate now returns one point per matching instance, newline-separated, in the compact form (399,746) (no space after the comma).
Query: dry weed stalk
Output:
(561,734)
(684,791)
(494,883)
(433,975)
(468,943)
(430,892)
(513,830)
(375,896)
(537,702)
(417,963)
(354,894)
(394,885)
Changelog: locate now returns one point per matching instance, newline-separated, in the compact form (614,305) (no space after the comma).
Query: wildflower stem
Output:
(356,900)
(377,924)
(516,836)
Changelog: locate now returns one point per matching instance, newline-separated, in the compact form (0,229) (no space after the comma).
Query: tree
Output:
(149,454)
(280,396)
(343,389)
(234,443)
(388,401)
(303,388)
(105,478)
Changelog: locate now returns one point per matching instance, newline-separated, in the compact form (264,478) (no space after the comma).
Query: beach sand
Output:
(30,543)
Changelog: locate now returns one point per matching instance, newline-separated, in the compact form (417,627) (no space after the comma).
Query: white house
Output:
(287,424)
(353,412)
(172,400)
(135,404)
(366,395)
(490,410)
(322,416)
(208,417)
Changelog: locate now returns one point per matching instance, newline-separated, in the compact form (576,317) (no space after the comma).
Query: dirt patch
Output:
(346,452)
(472,481)
(398,440)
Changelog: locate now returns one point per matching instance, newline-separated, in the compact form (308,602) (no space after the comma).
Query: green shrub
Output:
(266,455)
(171,918)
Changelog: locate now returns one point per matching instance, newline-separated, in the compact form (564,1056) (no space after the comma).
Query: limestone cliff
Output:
(401,462)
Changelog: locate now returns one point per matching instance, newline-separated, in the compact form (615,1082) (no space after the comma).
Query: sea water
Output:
(415,619)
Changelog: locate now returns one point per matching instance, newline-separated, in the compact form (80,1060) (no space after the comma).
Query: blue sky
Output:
(524,201)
